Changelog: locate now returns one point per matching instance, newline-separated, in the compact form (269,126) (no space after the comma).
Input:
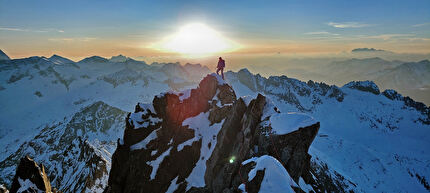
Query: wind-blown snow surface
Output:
(379,144)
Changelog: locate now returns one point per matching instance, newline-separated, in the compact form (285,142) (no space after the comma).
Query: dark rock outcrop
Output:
(366,86)
(252,139)
(234,140)
(31,174)
(290,149)
(152,156)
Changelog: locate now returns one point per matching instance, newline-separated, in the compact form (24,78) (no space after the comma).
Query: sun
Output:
(196,39)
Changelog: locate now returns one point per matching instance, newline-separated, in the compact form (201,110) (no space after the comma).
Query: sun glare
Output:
(196,39)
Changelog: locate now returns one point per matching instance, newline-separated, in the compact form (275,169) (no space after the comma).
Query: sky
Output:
(82,28)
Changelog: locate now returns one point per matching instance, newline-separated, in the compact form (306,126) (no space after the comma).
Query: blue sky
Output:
(263,26)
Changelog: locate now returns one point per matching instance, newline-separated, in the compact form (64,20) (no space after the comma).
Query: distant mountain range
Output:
(408,78)
(367,50)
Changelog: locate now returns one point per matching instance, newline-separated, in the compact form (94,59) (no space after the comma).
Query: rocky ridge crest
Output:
(208,140)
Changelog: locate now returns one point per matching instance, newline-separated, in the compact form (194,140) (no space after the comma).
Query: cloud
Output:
(348,24)
(321,33)
(421,24)
(11,29)
(79,39)
(30,30)
(389,36)
(418,39)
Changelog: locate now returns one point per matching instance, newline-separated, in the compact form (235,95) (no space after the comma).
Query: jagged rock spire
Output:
(30,177)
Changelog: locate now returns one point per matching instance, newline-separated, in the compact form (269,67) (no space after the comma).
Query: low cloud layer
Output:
(348,24)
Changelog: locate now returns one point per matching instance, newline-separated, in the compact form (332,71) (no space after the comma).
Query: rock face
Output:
(30,177)
(198,140)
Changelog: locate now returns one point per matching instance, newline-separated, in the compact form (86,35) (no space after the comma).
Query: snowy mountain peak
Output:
(119,58)
(30,177)
(198,140)
(60,60)
(3,56)
(367,86)
(94,59)
(367,50)
(424,62)
(245,71)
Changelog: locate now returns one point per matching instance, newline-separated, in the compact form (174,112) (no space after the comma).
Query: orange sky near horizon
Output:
(79,49)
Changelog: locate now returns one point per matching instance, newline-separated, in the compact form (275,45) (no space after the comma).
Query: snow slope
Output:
(377,143)
(276,178)
(76,151)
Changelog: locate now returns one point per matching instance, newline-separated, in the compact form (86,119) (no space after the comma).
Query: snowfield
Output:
(284,123)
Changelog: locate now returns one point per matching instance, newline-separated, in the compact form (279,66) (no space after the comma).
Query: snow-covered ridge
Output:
(60,60)
(94,59)
(360,125)
(367,86)
(3,56)
(308,96)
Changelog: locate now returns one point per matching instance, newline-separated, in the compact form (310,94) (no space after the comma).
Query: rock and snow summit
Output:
(208,140)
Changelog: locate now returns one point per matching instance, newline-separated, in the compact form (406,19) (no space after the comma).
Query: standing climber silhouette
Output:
(221,65)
